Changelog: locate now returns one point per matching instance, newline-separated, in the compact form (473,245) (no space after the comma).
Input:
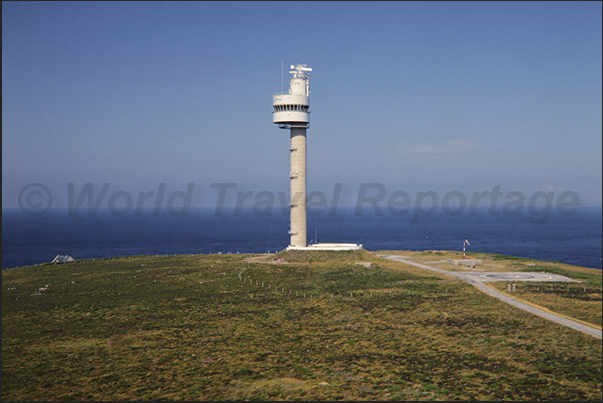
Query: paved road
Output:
(505,298)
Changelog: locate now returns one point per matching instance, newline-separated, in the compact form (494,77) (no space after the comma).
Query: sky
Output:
(416,96)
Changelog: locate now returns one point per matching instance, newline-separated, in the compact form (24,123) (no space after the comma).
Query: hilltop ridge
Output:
(321,326)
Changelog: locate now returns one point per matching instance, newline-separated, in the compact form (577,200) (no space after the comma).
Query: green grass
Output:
(186,328)
(326,256)
(495,256)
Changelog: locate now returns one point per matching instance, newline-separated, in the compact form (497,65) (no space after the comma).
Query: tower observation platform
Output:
(293,109)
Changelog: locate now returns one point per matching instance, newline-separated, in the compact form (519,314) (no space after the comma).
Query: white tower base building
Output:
(328,246)
(291,111)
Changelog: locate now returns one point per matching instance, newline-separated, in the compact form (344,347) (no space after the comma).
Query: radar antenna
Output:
(297,70)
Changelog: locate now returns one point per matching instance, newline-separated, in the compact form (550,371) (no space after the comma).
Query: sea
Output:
(28,240)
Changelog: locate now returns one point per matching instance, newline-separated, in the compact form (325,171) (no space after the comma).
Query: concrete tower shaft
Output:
(298,187)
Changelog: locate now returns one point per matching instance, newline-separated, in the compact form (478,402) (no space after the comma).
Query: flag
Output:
(467,242)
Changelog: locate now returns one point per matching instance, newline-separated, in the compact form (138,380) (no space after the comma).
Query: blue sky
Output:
(416,96)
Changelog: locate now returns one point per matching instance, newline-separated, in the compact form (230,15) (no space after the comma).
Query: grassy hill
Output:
(311,327)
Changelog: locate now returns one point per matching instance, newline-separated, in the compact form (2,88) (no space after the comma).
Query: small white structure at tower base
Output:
(327,246)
